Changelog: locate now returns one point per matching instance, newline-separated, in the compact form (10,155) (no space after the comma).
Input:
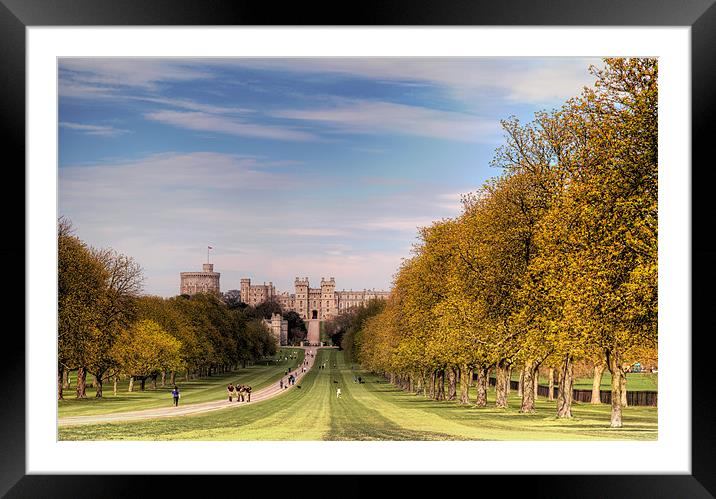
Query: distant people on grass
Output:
(338,393)
(175,395)
(230,390)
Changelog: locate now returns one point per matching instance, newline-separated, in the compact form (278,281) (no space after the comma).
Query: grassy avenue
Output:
(373,410)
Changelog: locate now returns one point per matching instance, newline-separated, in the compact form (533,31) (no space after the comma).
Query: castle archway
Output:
(314,314)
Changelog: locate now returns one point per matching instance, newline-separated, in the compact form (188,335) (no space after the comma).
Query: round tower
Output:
(206,281)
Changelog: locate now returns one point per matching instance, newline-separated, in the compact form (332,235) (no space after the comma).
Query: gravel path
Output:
(166,412)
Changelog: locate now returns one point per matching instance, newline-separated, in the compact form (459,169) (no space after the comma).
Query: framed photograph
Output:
(280,144)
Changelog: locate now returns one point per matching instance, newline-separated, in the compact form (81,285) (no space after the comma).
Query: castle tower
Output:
(301,286)
(245,288)
(206,281)
(328,298)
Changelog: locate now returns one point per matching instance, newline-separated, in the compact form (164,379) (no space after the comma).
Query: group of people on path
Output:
(290,381)
(242,392)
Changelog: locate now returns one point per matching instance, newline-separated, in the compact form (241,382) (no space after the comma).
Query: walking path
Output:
(266,393)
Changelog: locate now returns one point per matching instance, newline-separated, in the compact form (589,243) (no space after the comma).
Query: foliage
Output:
(146,349)
(551,263)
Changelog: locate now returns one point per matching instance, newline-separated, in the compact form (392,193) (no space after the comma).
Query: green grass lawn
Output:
(375,410)
(206,389)
(635,381)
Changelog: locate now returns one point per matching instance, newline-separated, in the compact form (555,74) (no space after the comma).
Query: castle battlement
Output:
(310,303)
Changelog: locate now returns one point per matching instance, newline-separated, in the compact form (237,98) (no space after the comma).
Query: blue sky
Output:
(286,167)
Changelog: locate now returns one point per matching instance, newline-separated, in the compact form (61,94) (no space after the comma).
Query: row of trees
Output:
(107,329)
(343,328)
(550,264)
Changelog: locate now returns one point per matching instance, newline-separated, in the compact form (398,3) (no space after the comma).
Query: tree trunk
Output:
(172,378)
(131,384)
(564,395)
(502,384)
(482,383)
(154,381)
(613,362)
(142,381)
(465,382)
(98,385)
(114,386)
(186,375)
(164,378)
(452,383)
(81,383)
(440,391)
(624,389)
(65,379)
(536,379)
(551,383)
(431,387)
(61,380)
(520,383)
(528,390)
(597,384)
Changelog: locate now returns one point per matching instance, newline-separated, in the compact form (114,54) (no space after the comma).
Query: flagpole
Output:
(207,254)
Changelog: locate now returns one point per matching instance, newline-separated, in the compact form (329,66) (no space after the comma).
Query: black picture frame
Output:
(699,15)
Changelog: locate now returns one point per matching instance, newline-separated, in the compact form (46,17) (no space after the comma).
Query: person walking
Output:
(175,395)
(248,393)
(338,393)
(281,384)
(230,390)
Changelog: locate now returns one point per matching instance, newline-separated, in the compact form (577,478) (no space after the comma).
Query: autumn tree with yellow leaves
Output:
(553,262)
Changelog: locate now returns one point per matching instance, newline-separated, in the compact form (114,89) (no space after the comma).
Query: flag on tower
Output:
(210,247)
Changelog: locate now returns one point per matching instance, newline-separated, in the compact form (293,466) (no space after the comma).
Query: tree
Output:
(80,291)
(266,309)
(296,327)
(146,349)
(122,286)
(232,298)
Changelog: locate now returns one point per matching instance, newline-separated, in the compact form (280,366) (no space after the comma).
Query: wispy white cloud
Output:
(206,122)
(518,79)
(118,72)
(192,105)
(98,130)
(451,201)
(399,224)
(376,117)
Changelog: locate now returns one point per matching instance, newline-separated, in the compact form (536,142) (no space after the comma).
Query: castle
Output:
(310,303)
(206,281)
